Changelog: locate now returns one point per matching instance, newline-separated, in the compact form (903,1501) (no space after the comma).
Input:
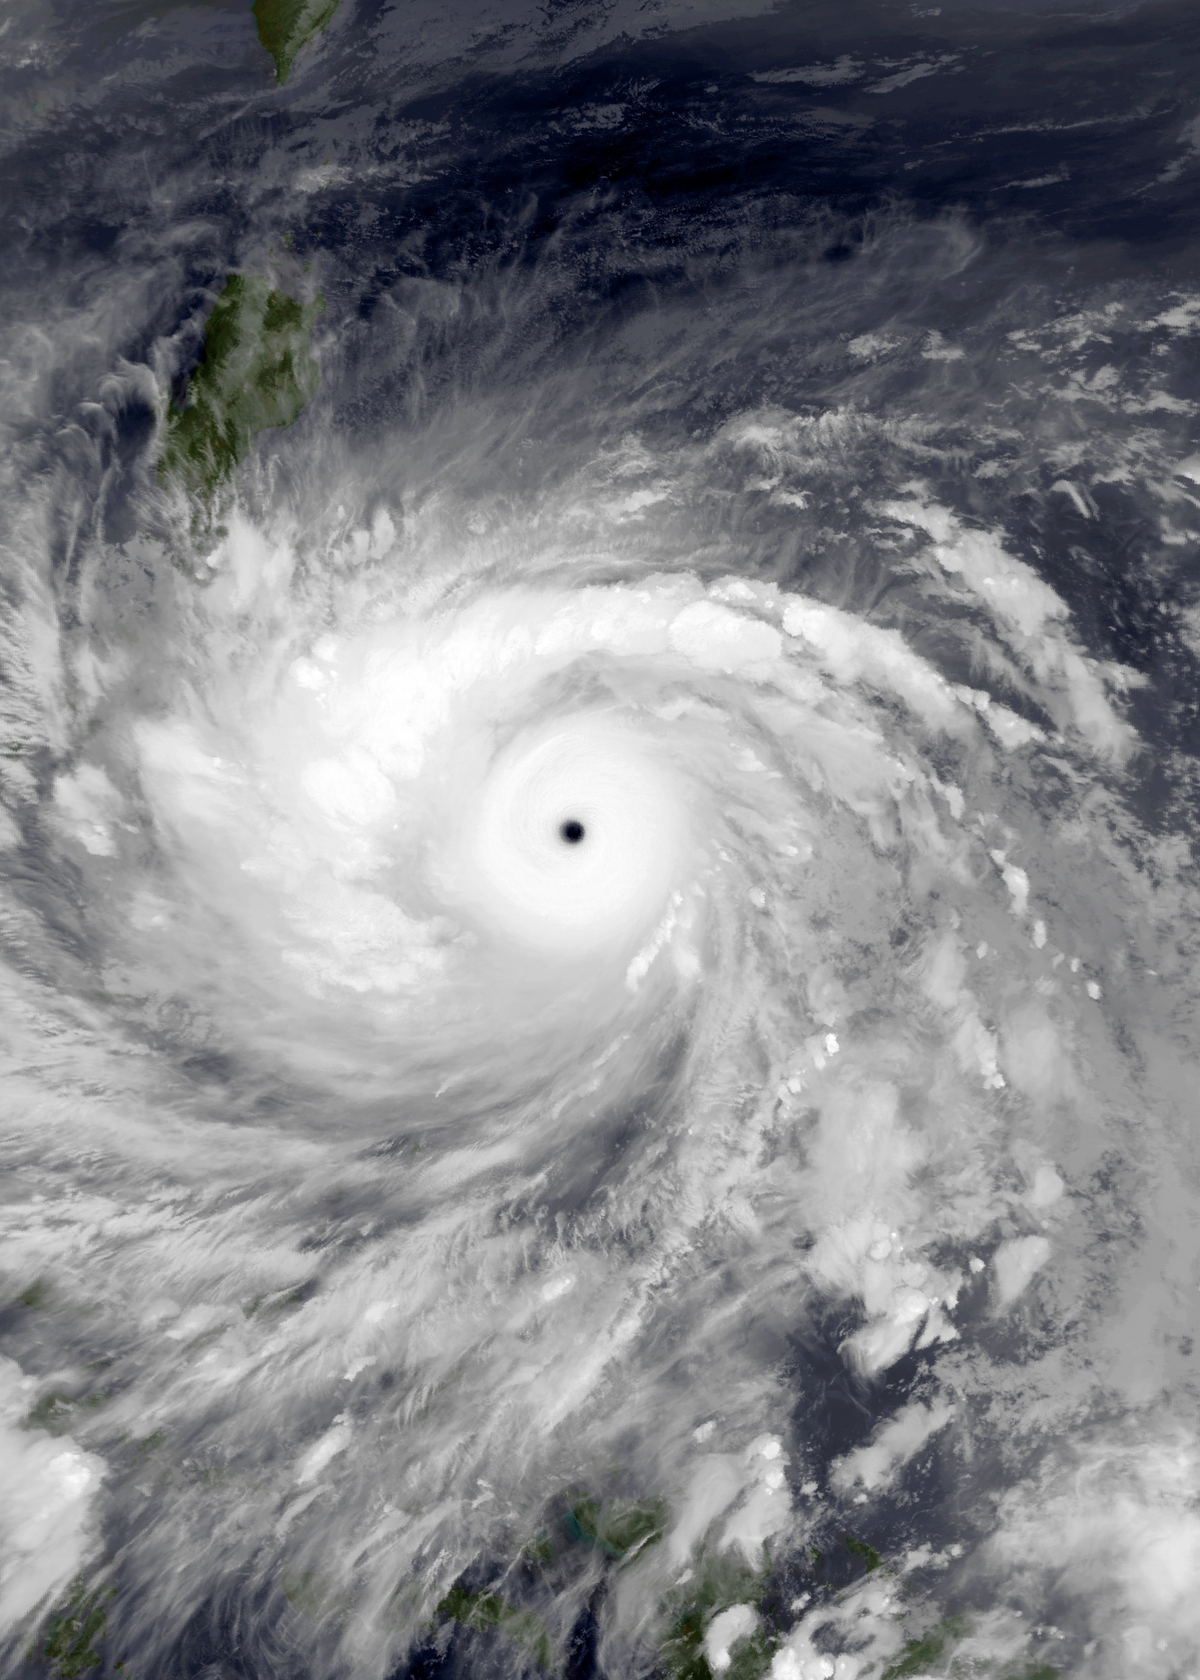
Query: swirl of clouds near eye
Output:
(598,907)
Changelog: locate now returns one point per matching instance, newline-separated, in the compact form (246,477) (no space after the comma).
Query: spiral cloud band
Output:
(792,1013)
(598,914)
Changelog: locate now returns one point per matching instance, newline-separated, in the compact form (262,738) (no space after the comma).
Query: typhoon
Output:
(598,930)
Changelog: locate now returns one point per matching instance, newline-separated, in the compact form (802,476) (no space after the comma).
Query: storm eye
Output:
(571,831)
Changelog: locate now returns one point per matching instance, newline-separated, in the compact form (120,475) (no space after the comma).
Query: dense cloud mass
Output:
(600,660)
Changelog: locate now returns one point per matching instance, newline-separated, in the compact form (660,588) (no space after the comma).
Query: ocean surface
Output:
(600,693)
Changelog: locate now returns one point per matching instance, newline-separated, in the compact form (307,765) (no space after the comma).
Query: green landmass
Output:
(52,1413)
(540,1550)
(621,1529)
(284,26)
(487,1610)
(722,1581)
(859,1548)
(316,1596)
(283,1301)
(55,1411)
(255,374)
(617,1527)
(74,1632)
(920,1655)
(933,1653)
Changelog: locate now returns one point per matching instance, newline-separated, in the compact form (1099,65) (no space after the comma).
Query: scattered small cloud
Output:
(1056,179)
(845,69)
(937,350)
(868,346)
(914,73)
(1189,139)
